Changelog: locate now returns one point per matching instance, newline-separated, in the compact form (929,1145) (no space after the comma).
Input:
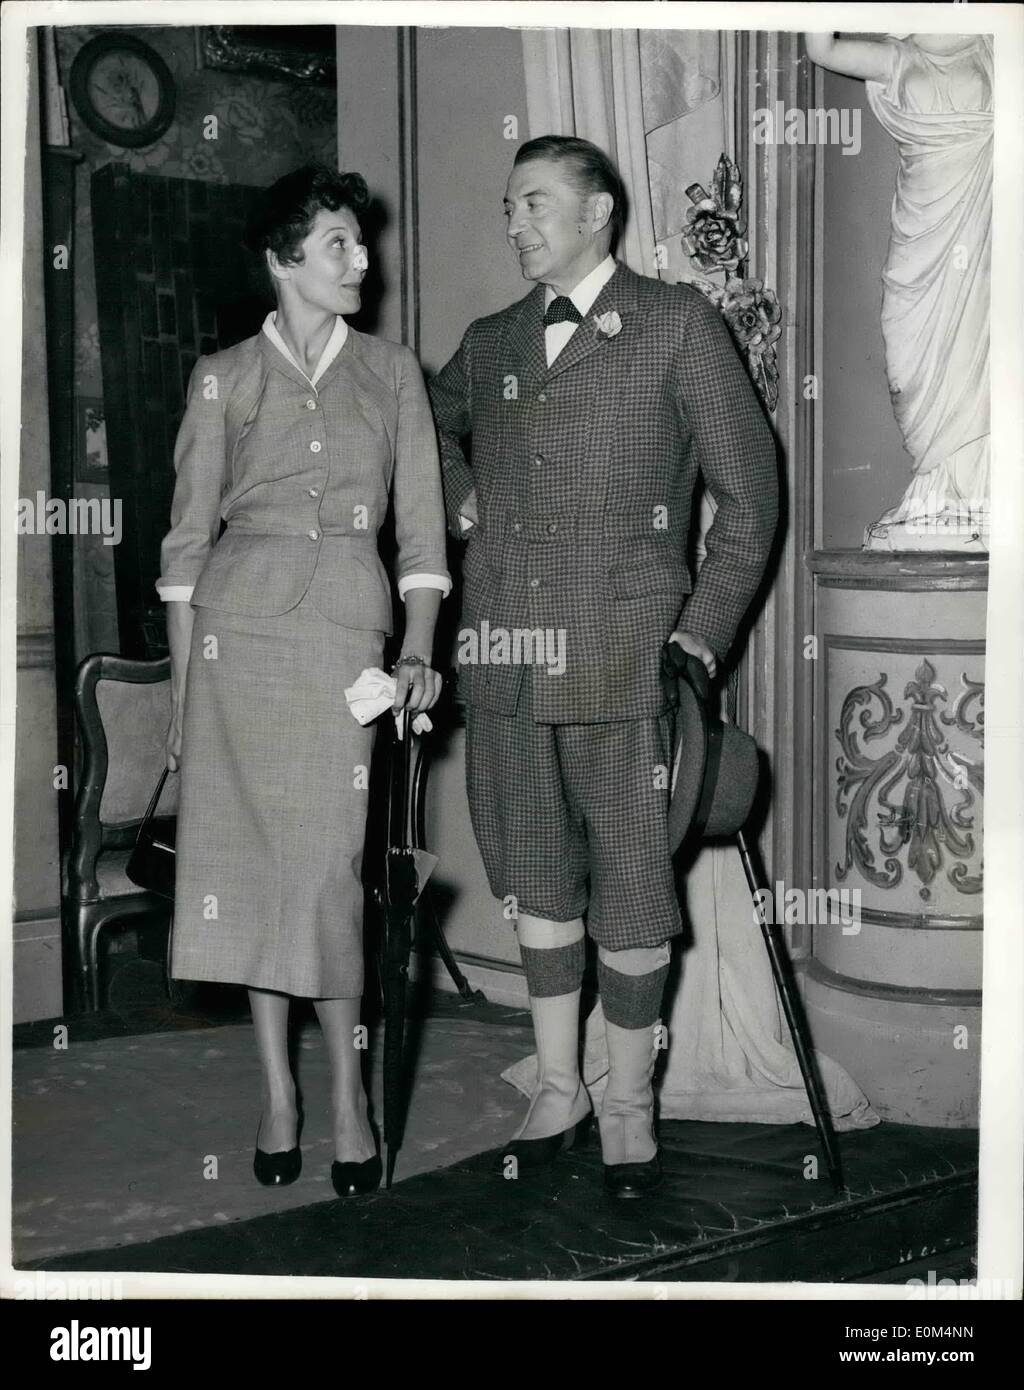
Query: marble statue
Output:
(933,94)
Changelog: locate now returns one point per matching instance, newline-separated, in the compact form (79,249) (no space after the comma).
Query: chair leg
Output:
(92,959)
(84,975)
(793,1009)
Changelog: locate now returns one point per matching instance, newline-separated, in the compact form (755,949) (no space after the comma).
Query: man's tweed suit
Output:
(585,473)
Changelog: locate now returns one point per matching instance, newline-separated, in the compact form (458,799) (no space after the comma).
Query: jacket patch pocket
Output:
(648,575)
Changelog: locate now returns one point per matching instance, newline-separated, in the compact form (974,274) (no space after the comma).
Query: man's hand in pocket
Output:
(468,514)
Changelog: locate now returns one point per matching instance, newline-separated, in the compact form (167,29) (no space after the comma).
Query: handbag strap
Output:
(154,801)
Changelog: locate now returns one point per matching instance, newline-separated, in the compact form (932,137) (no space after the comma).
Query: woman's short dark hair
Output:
(285,212)
(592,171)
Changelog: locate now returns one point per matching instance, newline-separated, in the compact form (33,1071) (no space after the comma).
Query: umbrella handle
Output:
(418,798)
(407,738)
(398,783)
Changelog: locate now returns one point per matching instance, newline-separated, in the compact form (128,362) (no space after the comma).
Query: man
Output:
(592,404)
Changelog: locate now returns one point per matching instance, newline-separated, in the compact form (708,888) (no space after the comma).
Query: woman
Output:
(294,438)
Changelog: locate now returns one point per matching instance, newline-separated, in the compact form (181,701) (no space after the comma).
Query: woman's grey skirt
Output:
(272,804)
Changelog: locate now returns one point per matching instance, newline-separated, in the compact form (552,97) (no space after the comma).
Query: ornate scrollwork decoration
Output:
(961,717)
(856,769)
(920,822)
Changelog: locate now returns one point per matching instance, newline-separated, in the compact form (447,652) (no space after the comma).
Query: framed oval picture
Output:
(123,90)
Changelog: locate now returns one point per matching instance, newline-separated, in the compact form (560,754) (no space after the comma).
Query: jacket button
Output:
(517,526)
(534,583)
(315,447)
(539,460)
(314,535)
(542,397)
(311,405)
(313,491)
(552,527)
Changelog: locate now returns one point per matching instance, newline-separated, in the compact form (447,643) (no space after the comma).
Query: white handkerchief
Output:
(373,693)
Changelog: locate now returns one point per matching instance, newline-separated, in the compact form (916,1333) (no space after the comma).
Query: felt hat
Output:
(714,764)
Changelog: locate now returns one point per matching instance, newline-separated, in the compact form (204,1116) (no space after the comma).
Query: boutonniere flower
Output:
(608,324)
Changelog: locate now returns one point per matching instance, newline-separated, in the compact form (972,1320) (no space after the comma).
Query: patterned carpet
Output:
(125,1139)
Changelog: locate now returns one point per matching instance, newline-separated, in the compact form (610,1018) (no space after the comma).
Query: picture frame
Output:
(298,53)
(123,90)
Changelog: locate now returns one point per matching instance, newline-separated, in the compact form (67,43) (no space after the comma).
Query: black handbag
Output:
(151,862)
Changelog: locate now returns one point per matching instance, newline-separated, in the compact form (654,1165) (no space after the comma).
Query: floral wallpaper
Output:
(264,128)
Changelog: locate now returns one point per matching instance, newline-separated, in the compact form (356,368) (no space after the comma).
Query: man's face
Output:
(544,212)
(333,266)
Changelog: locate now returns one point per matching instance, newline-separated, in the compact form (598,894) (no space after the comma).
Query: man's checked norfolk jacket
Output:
(585,474)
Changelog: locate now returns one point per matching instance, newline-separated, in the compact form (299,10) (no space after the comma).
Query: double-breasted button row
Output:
(551,528)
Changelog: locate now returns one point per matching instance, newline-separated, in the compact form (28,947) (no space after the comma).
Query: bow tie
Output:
(562,310)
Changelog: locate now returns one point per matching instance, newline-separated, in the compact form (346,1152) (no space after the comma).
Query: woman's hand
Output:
(173,743)
(417,687)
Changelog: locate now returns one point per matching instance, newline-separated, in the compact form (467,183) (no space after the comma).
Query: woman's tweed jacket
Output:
(304,515)
(585,474)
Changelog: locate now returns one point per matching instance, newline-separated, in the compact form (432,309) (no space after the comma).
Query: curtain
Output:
(661,103)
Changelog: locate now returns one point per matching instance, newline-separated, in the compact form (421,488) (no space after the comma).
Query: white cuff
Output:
(169,593)
(424,581)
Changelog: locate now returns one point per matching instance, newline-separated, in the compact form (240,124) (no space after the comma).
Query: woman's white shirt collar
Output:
(334,345)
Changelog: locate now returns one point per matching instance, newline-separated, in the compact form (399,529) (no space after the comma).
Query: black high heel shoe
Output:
(280,1168)
(357,1179)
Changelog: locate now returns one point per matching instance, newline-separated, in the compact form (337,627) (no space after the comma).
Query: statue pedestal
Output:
(897,788)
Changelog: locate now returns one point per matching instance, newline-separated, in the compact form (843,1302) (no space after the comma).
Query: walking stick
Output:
(793,1009)
(682,664)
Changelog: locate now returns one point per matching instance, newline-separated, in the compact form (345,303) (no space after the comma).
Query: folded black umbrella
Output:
(406,868)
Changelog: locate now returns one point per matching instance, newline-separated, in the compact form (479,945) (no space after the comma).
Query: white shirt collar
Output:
(589,287)
(334,345)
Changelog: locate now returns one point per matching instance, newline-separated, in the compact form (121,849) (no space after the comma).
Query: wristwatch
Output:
(409,660)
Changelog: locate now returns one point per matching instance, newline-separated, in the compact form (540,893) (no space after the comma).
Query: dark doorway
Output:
(173,282)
